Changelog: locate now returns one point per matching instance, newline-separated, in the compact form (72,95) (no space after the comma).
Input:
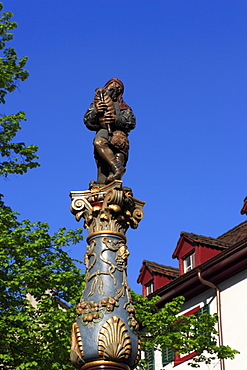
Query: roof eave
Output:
(216,269)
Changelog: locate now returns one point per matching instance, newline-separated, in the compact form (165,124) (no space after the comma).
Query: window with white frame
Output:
(189,262)
(150,288)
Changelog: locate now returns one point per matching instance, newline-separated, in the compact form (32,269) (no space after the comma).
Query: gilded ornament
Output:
(104,217)
(114,196)
(96,209)
(104,364)
(97,284)
(93,312)
(138,213)
(138,356)
(95,189)
(133,324)
(114,341)
(124,252)
(133,223)
(89,218)
(89,312)
(90,253)
(76,353)
(120,218)
(79,215)
(114,207)
(86,260)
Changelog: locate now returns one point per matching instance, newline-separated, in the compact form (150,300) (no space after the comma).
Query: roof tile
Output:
(162,269)
(207,240)
(235,235)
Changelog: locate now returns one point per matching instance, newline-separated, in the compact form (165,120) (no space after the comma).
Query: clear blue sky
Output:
(183,64)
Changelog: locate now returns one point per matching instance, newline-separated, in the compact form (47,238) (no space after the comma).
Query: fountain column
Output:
(104,335)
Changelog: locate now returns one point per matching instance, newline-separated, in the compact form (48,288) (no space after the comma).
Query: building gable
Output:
(192,250)
(154,275)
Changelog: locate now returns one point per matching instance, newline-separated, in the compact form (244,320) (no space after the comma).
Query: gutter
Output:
(218,308)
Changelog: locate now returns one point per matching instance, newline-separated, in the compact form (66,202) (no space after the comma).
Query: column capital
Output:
(108,208)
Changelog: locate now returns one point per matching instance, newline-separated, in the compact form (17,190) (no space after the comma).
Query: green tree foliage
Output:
(15,157)
(166,328)
(38,283)
(38,279)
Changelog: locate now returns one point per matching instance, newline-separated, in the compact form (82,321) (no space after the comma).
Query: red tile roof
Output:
(207,240)
(212,243)
(223,241)
(234,235)
(161,269)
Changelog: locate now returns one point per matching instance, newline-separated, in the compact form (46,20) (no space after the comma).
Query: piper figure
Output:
(112,119)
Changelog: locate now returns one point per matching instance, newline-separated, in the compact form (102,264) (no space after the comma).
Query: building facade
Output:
(212,276)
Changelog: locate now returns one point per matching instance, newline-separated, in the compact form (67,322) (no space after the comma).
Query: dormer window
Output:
(189,262)
(150,288)
(154,275)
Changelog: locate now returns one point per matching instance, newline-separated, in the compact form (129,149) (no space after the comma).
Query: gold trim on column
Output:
(96,233)
(105,363)
(76,352)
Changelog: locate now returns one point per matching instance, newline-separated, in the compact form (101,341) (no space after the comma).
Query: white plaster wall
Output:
(234,320)
(158,360)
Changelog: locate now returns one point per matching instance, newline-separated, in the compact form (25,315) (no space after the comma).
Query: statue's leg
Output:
(120,158)
(106,156)
(101,146)
(120,169)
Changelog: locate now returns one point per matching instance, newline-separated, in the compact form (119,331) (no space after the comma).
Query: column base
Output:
(105,365)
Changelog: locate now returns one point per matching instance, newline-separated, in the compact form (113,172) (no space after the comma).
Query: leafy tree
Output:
(15,157)
(38,279)
(38,283)
(166,328)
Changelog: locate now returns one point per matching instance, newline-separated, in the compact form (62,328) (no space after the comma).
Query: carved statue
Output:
(112,119)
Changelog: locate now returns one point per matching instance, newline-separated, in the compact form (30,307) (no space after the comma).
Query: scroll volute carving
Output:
(114,196)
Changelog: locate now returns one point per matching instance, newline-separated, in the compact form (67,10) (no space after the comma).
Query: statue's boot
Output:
(118,169)
(102,147)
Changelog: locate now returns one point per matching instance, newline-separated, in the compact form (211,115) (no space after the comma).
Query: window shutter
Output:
(202,310)
(149,356)
(167,356)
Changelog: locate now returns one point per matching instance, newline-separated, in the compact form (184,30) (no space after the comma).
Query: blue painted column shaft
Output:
(105,331)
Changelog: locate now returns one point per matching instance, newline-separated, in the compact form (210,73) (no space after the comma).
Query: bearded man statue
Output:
(112,119)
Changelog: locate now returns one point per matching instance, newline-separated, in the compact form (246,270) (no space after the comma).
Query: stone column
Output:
(104,335)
